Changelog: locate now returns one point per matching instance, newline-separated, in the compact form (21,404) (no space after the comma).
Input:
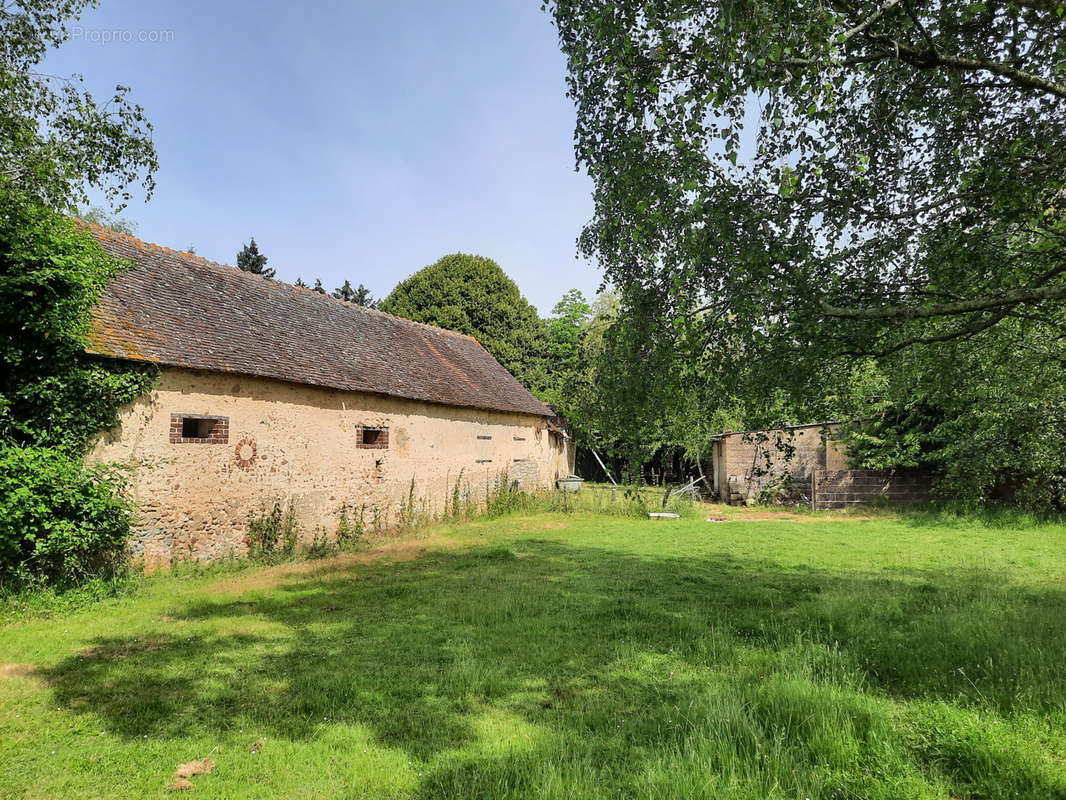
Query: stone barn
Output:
(272,393)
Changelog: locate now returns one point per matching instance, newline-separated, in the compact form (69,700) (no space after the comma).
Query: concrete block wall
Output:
(842,488)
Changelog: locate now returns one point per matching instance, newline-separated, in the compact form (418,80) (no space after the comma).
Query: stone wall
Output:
(209,449)
(848,487)
(744,464)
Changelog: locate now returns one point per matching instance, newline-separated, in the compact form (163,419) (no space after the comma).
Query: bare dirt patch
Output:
(550,525)
(182,774)
(390,549)
(201,767)
(17,670)
(112,652)
(717,512)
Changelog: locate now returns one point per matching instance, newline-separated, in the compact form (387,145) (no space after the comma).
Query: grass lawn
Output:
(581,656)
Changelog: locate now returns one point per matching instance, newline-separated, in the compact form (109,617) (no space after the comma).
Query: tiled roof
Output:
(181,310)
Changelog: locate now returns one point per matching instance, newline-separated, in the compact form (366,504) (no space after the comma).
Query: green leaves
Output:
(56,140)
(789,181)
(472,295)
(830,185)
(51,273)
(58,519)
(249,259)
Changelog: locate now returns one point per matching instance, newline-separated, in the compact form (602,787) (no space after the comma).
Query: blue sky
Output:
(353,140)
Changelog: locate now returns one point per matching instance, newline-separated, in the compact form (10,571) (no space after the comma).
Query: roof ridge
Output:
(406,320)
(101,231)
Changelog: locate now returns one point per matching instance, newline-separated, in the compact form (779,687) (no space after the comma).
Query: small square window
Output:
(372,438)
(198,429)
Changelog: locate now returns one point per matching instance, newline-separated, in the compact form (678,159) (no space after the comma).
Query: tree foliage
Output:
(360,296)
(363,297)
(251,260)
(907,174)
(98,215)
(472,295)
(51,274)
(567,360)
(56,140)
(783,190)
(61,519)
(345,292)
(58,518)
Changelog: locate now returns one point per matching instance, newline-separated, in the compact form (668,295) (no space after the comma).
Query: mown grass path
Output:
(578,656)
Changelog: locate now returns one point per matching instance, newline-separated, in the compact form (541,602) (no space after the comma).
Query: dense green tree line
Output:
(819,209)
(59,519)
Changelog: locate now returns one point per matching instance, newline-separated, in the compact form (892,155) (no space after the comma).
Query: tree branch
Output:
(1017,297)
(965,332)
(925,59)
(870,20)
(918,24)
(928,58)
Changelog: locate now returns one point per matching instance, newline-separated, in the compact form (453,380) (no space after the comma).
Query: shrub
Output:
(350,529)
(506,497)
(636,502)
(412,512)
(60,520)
(274,531)
(320,545)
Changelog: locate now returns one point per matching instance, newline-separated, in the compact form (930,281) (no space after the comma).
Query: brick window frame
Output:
(216,428)
(377,440)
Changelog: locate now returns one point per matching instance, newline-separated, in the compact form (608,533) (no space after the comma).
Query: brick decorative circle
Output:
(244,454)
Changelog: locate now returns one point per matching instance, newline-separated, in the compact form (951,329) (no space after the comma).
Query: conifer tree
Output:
(251,260)
(364,298)
(345,292)
(318,286)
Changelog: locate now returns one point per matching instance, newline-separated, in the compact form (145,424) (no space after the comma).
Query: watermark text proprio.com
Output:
(120,35)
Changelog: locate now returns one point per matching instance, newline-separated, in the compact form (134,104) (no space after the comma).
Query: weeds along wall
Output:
(211,452)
